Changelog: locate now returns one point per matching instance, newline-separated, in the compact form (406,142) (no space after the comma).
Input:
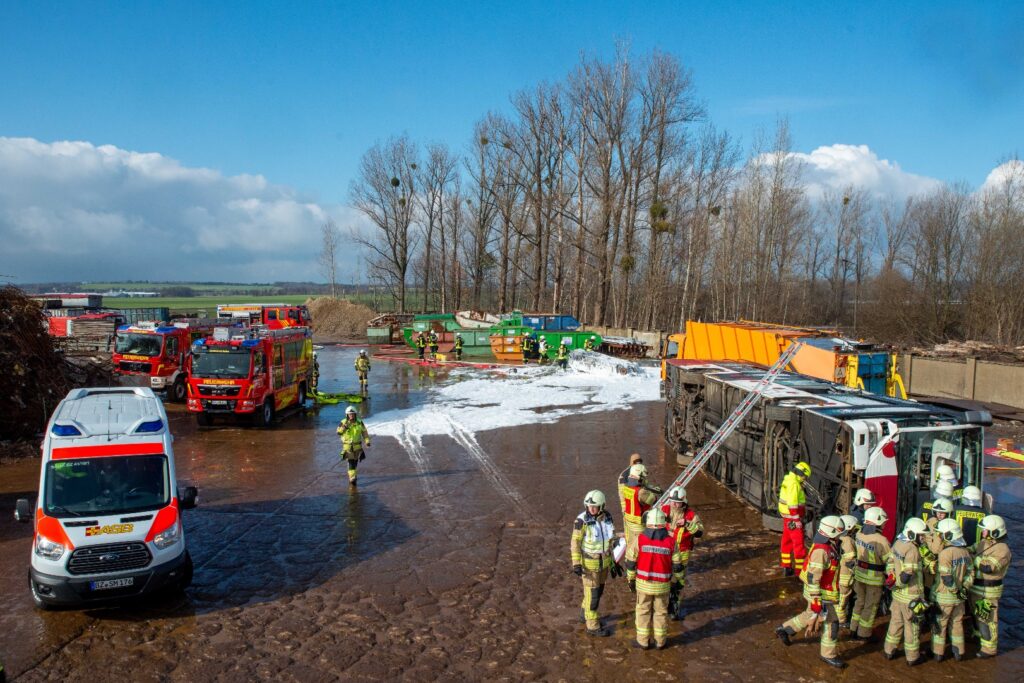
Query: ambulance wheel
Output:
(36,600)
(178,391)
(265,418)
(203,419)
(186,577)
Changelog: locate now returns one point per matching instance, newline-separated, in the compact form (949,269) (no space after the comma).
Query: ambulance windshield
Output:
(106,486)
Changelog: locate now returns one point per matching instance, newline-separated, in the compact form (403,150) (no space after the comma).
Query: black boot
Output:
(783,634)
(984,655)
(890,655)
(938,657)
(600,632)
(834,661)
(919,660)
(788,571)
(637,645)
(583,618)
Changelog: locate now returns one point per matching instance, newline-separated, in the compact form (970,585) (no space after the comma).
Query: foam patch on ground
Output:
(476,400)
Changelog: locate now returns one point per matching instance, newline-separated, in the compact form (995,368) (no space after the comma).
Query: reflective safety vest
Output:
(353,433)
(683,529)
(458,343)
(421,342)
(592,541)
(563,352)
(362,364)
(991,562)
(654,561)
(633,507)
(791,497)
(968,516)
(820,574)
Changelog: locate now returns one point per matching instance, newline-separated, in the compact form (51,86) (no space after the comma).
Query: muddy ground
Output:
(454,568)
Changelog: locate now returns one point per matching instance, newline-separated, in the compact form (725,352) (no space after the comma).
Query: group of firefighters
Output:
(533,349)
(945,566)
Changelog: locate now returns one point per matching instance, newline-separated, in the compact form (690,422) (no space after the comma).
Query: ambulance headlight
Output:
(168,537)
(47,549)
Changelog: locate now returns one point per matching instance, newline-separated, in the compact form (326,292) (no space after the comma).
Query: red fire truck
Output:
(254,372)
(274,316)
(154,354)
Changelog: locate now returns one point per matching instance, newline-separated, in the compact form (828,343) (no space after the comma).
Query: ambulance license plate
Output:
(112,583)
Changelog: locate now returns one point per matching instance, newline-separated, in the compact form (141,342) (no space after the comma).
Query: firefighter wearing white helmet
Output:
(968,513)
(952,587)
(636,497)
(905,581)
(862,500)
(869,574)
(591,550)
(941,509)
(847,564)
(686,527)
(991,563)
(820,577)
(363,370)
(943,489)
(651,574)
(354,439)
(588,343)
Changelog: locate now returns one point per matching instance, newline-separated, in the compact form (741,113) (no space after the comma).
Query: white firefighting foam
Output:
(477,400)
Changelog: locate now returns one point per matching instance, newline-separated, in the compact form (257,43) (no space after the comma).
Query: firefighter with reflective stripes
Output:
(314,377)
(991,562)
(952,587)
(685,526)
(588,344)
(792,501)
(421,344)
(820,577)
(354,437)
(458,346)
(362,369)
(847,564)
(593,539)
(940,510)
(904,579)
(943,489)
(563,356)
(636,499)
(968,514)
(869,574)
(435,343)
(862,500)
(651,575)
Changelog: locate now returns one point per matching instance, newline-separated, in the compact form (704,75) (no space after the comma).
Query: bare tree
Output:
(330,239)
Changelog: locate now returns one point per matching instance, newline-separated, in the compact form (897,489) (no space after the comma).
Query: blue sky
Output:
(296,92)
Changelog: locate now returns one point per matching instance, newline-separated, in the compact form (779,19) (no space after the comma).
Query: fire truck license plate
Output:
(112,583)
(218,403)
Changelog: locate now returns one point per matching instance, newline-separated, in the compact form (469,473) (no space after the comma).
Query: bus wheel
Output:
(265,418)
(203,419)
(178,391)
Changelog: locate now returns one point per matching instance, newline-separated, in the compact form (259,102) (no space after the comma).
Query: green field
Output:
(195,304)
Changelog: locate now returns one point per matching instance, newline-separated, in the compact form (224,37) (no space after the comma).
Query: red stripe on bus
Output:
(106,450)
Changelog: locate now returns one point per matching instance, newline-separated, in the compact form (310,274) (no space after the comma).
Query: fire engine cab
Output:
(274,316)
(108,516)
(154,354)
(255,372)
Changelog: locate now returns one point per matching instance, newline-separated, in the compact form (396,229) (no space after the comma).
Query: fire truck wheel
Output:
(302,395)
(178,391)
(265,418)
(203,419)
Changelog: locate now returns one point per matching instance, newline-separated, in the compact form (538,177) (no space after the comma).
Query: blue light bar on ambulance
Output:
(65,430)
(149,427)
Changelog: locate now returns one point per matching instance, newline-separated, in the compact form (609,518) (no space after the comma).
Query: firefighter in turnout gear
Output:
(968,514)
(991,562)
(528,347)
(847,564)
(354,438)
(943,489)
(588,344)
(952,587)
(820,577)
(869,574)
(685,526)
(862,500)
(651,575)
(542,351)
(421,344)
(940,510)
(458,347)
(314,377)
(636,499)
(435,343)
(563,356)
(362,369)
(791,507)
(591,548)
(903,577)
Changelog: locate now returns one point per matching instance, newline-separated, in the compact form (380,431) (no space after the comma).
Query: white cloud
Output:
(76,211)
(835,167)
(1010,171)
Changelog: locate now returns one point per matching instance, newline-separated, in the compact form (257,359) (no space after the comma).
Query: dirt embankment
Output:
(973,349)
(339,320)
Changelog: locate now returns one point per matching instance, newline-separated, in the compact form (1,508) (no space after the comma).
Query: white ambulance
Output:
(108,518)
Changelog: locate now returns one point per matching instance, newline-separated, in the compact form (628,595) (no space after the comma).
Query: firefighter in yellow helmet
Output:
(651,575)
(820,577)
(904,578)
(869,575)
(591,549)
(951,589)
(636,497)
(354,438)
(991,562)
(792,502)
(362,369)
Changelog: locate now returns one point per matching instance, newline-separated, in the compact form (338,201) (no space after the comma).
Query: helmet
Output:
(656,518)
(635,458)
(949,530)
(944,489)
(350,411)
(831,526)
(677,495)
(943,505)
(458,334)
(876,516)
(971,496)
(595,497)
(802,469)
(593,337)
(850,522)
(362,352)
(945,473)
(914,528)
(994,525)
(637,471)
(864,497)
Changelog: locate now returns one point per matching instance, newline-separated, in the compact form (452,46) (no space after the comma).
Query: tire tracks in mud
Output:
(412,442)
(467,439)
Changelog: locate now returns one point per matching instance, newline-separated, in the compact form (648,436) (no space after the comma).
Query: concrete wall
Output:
(973,379)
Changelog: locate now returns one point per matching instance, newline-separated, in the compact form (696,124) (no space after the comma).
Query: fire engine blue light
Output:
(166,329)
(123,328)
(148,427)
(65,430)
(250,343)
(199,342)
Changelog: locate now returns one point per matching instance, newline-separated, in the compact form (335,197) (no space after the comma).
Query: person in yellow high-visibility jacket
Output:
(792,502)
(636,497)
(354,438)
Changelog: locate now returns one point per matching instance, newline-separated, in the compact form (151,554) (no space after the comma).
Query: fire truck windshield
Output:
(139,344)
(233,363)
(106,486)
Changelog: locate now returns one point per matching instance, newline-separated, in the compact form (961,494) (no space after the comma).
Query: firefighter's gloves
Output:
(816,606)
(699,534)
(794,524)
(362,456)
(890,580)
(983,609)
(632,586)
(577,569)
(963,593)
(616,571)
